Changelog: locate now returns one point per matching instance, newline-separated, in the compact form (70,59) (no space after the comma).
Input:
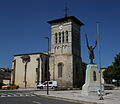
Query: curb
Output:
(67,99)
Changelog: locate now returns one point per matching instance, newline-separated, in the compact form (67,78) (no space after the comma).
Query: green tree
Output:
(113,71)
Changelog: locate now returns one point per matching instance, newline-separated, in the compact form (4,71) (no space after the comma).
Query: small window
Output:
(66,36)
(56,38)
(60,68)
(59,37)
(63,36)
(94,76)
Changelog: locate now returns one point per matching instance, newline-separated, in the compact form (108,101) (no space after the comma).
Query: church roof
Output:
(65,19)
(45,53)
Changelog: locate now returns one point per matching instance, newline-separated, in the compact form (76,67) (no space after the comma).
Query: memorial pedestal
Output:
(92,81)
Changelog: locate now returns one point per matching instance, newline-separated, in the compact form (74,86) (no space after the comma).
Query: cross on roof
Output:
(66,10)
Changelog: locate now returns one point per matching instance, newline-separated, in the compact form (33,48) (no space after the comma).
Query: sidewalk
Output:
(112,97)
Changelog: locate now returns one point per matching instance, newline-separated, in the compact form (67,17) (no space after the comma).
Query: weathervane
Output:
(66,9)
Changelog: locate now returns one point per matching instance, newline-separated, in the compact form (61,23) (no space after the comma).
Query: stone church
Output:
(65,62)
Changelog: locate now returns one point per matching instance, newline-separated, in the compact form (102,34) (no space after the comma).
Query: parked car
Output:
(10,86)
(51,84)
(1,84)
(109,86)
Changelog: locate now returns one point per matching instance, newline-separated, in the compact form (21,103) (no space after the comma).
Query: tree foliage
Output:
(113,71)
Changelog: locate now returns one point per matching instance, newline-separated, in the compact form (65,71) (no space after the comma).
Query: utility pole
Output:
(47,66)
(101,97)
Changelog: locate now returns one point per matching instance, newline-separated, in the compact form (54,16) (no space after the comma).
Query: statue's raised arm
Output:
(95,44)
(87,41)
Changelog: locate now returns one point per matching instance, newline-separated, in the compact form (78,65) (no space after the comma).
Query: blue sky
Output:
(24,22)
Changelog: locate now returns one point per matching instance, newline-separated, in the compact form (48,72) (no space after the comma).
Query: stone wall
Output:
(67,73)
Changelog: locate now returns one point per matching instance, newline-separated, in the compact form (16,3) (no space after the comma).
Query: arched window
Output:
(63,36)
(94,76)
(56,38)
(59,37)
(60,68)
(66,36)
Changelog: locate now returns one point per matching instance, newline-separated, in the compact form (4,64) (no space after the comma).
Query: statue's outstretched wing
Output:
(87,41)
(95,44)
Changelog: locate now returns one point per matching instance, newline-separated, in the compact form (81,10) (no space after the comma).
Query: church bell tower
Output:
(65,60)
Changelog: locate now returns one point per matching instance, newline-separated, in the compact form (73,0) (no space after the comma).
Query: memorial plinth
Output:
(92,81)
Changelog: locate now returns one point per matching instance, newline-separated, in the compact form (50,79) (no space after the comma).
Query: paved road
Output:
(27,97)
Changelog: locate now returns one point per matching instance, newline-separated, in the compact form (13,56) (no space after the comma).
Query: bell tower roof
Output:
(66,19)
